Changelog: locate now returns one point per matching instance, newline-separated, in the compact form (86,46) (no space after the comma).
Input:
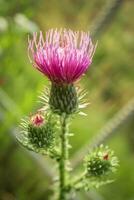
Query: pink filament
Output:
(64,56)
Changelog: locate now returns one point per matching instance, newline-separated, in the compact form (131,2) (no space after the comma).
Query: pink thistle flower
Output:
(37,120)
(64,56)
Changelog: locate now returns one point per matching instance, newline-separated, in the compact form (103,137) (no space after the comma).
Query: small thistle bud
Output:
(63,99)
(101,162)
(37,134)
(40,133)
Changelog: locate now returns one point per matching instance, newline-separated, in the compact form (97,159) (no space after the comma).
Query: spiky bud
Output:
(63,99)
(38,133)
(101,162)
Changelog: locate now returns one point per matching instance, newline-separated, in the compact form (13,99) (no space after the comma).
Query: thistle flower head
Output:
(101,162)
(63,56)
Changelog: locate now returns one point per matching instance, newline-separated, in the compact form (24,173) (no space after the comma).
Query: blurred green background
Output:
(25,176)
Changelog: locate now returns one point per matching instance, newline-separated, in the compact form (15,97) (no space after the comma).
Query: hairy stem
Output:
(64,158)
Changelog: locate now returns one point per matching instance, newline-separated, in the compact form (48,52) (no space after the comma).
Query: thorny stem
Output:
(64,158)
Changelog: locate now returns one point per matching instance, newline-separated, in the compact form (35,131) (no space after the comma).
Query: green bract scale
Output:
(63,99)
(101,162)
(98,167)
(41,137)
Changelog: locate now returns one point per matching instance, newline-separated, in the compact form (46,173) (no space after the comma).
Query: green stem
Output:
(64,157)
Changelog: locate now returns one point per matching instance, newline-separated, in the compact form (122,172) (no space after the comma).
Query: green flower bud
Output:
(101,162)
(63,99)
(38,134)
